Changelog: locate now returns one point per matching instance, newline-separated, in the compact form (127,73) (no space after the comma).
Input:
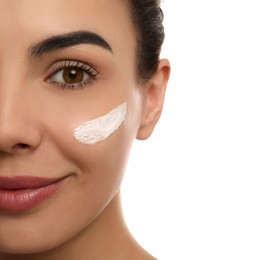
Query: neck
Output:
(106,237)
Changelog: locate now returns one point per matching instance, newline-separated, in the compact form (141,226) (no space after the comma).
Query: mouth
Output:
(22,193)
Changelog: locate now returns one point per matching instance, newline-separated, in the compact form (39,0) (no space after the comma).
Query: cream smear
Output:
(102,127)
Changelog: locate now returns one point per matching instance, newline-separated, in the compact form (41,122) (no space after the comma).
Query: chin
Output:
(19,247)
(22,243)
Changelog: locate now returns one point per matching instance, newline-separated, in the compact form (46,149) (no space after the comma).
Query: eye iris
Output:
(73,75)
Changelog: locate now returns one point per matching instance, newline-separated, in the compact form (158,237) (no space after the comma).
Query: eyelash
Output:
(87,70)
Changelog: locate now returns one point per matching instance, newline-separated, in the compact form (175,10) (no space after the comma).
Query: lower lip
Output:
(15,201)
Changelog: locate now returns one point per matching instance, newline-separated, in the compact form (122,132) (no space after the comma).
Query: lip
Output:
(22,193)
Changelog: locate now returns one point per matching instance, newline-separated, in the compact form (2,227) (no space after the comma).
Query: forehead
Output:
(27,21)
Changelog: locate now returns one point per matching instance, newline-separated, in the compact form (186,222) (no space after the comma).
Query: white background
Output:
(192,191)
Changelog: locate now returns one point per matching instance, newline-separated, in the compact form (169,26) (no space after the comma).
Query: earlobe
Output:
(154,99)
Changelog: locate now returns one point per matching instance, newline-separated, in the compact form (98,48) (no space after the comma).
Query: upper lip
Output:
(25,182)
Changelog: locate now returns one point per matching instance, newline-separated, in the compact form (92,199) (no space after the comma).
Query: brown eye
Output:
(73,75)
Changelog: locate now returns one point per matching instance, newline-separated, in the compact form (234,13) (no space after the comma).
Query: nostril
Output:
(21,146)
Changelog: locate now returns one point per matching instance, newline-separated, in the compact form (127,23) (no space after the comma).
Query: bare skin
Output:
(39,112)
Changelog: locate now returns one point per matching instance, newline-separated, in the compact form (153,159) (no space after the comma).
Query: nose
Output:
(18,125)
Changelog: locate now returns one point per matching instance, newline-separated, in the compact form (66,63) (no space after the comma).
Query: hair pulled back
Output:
(147,18)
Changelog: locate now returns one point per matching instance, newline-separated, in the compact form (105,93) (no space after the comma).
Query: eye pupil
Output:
(73,75)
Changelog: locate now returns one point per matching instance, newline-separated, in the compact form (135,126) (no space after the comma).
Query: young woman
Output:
(79,81)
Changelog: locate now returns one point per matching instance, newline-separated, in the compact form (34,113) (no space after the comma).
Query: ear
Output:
(153,99)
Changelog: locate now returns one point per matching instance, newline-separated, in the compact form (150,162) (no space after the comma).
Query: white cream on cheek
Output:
(102,127)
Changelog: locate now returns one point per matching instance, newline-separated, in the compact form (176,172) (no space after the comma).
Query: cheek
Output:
(95,143)
(98,154)
(100,128)
(99,171)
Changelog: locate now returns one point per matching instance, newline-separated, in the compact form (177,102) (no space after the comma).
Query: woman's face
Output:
(50,84)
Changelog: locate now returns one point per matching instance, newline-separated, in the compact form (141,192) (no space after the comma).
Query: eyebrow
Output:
(67,40)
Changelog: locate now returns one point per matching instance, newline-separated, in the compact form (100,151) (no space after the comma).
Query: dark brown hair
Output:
(147,18)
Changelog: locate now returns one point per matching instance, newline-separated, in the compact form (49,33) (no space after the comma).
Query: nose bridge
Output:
(17,125)
(18,111)
(11,94)
(11,110)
